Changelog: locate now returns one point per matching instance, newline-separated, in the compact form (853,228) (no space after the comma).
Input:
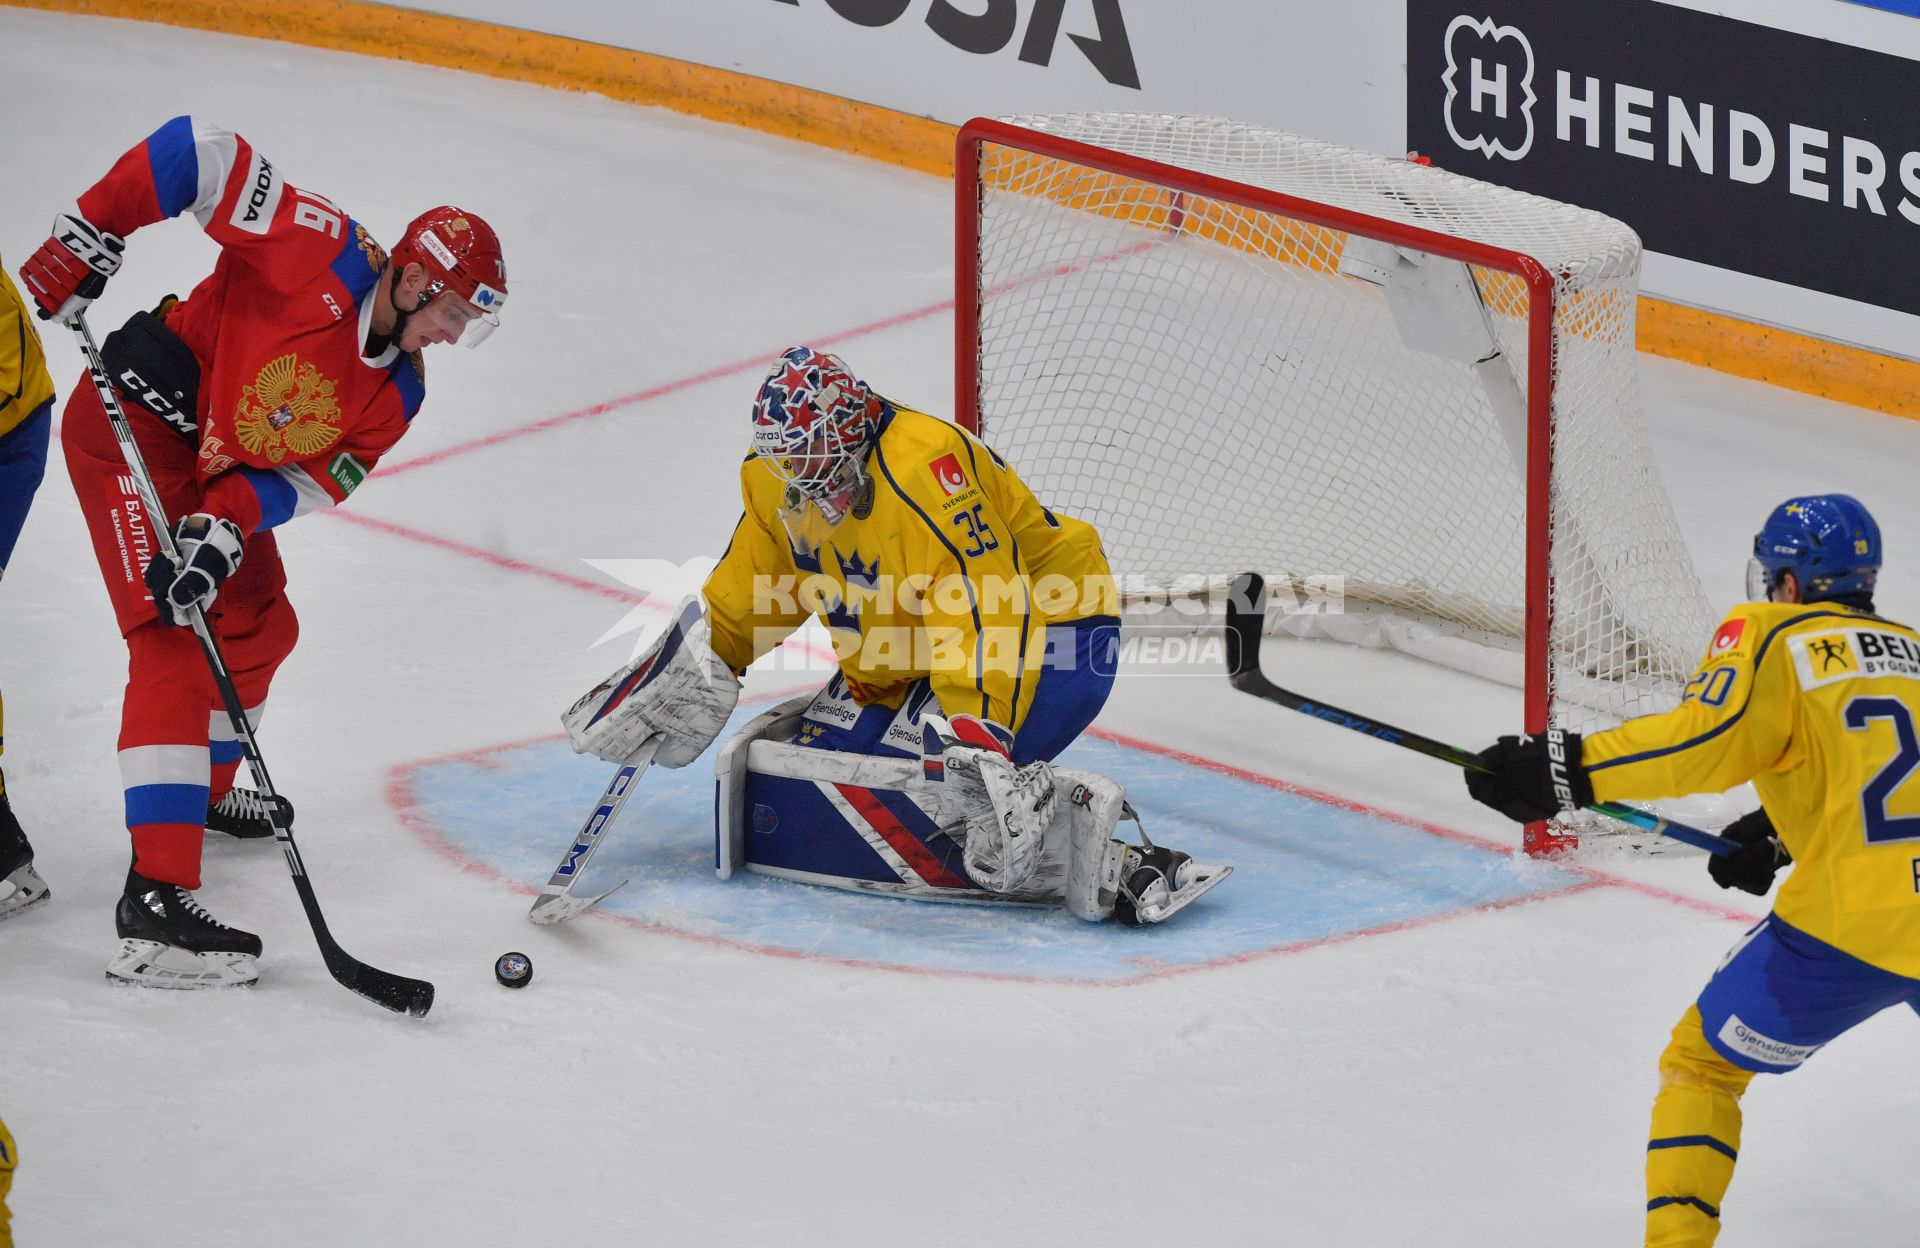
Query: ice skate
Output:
(241,814)
(168,940)
(1157,883)
(21,888)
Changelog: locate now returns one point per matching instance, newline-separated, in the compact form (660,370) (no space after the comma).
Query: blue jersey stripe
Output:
(175,165)
(166,803)
(352,267)
(1758,656)
(277,496)
(1661,1202)
(408,381)
(973,602)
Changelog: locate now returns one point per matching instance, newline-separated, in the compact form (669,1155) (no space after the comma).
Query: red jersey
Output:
(292,414)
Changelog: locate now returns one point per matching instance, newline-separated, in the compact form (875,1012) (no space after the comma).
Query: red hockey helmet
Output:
(461,255)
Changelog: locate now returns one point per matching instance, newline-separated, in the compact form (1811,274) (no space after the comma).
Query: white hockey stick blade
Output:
(550,908)
(556,902)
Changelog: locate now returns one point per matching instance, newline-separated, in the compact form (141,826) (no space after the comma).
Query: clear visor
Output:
(1759,581)
(459,320)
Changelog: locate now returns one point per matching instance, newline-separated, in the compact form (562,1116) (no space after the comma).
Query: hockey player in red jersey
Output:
(272,390)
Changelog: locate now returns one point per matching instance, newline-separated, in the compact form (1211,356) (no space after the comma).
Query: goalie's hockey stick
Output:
(1246,613)
(556,902)
(396,992)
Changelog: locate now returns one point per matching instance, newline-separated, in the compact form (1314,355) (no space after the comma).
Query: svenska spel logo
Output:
(951,476)
(1728,638)
(1489,81)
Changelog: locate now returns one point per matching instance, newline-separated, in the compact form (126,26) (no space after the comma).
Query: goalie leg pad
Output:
(1091,815)
(1107,877)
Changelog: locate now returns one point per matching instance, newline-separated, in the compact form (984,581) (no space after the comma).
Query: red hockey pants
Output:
(178,750)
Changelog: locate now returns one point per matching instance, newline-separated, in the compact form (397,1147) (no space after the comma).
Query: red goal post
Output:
(1072,232)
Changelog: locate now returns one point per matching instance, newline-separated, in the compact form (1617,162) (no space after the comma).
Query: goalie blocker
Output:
(900,826)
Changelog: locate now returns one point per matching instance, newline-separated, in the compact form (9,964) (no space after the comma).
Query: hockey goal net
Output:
(1232,348)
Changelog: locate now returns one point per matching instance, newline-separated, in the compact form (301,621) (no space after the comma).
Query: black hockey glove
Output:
(1529,779)
(1750,868)
(209,550)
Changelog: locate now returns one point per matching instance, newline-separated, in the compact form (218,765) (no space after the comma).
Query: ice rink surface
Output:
(1388,1031)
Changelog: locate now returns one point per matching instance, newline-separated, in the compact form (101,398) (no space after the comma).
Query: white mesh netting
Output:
(1199,380)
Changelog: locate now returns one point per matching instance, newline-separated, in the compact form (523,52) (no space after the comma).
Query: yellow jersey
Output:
(945,567)
(1816,704)
(24,383)
(6,1185)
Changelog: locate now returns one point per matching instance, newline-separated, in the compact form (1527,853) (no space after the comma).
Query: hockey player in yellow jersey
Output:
(26,419)
(957,603)
(7,1158)
(1814,699)
(6,1185)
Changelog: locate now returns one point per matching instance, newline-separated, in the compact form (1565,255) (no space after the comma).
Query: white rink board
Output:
(1479,1081)
(1330,69)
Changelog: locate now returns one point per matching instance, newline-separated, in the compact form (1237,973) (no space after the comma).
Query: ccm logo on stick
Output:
(992,29)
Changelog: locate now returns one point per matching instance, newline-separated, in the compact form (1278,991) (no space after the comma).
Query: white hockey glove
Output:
(208,551)
(679,689)
(1006,808)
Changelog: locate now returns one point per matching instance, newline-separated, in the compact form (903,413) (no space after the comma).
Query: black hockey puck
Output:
(513,970)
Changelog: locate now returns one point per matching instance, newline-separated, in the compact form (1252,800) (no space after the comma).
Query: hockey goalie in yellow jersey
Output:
(1814,698)
(976,632)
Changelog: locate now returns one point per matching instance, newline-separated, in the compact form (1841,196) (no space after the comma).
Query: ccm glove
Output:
(1529,779)
(1750,868)
(72,267)
(207,550)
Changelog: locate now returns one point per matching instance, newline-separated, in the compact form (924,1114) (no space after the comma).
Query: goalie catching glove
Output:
(679,690)
(1006,808)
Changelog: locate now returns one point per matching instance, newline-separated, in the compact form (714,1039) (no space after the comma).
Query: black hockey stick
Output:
(1246,613)
(396,992)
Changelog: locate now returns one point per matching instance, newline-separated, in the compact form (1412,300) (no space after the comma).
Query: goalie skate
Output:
(1156,884)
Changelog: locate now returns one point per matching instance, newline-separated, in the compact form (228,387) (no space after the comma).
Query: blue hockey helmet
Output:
(1828,541)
